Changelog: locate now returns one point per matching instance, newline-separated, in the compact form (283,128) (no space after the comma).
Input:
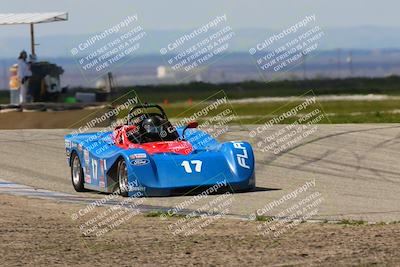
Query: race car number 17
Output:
(188,166)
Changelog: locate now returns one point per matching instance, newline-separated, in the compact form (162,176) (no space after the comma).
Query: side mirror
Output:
(190,125)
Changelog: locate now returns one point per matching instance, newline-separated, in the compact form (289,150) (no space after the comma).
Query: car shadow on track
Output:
(220,191)
(200,190)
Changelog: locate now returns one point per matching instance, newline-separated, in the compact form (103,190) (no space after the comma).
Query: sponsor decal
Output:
(103,165)
(68,144)
(242,156)
(140,162)
(135,186)
(88,179)
(102,182)
(138,156)
(94,169)
(102,173)
(86,156)
(87,170)
(178,147)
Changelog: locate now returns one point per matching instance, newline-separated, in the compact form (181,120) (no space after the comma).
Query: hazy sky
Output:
(87,16)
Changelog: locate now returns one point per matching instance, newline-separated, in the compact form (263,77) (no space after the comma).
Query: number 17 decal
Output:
(94,169)
(197,165)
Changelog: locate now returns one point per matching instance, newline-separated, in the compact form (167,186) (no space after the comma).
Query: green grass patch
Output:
(357,111)
(353,222)
(340,111)
(158,214)
(264,218)
(198,91)
(163,214)
(5,97)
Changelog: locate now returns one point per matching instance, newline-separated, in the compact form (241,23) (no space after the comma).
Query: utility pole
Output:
(110,82)
(304,66)
(32,41)
(338,62)
(5,76)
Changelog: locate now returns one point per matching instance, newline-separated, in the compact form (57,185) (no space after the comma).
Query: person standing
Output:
(24,73)
(14,85)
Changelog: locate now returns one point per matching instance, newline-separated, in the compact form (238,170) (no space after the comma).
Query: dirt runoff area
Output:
(51,120)
(38,232)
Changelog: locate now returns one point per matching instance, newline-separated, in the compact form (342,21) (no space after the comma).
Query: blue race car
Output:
(149,157)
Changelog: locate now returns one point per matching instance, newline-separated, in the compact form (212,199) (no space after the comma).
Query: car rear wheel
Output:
(123,178)
(77,176)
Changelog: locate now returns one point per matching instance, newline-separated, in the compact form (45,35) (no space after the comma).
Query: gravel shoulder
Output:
(38,232)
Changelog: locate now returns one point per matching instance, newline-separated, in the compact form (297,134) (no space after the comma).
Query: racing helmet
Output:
(153,125)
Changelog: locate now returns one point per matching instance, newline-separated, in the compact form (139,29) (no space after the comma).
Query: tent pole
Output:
(32,41)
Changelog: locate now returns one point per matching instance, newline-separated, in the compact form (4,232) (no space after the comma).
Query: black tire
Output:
(77,176)
(122,176)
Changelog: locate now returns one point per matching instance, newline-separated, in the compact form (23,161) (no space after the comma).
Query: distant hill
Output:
(366,37)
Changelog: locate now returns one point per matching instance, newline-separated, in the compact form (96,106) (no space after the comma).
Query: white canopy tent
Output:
(32,18)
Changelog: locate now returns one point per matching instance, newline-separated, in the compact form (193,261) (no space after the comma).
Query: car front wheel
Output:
(123,178)
(77,176)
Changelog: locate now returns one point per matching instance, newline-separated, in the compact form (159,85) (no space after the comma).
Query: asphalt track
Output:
(356,168)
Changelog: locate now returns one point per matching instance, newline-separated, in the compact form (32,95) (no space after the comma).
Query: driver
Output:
(153,129)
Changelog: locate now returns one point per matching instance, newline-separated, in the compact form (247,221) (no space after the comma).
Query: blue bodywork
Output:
(210,163)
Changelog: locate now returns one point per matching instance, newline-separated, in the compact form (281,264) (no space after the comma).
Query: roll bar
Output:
(147,106)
